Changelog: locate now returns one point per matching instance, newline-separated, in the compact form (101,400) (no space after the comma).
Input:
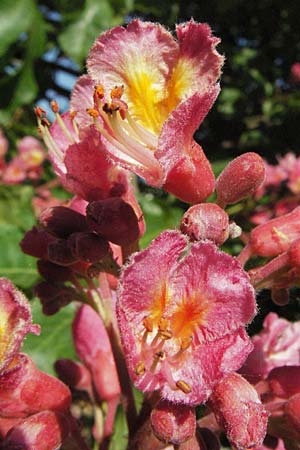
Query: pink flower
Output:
(278,344)
(295,72)
(181,313)
(152,92)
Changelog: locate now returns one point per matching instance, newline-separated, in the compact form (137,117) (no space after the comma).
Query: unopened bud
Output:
(206,221)
(292,411)
(294,254)
(232,395)
(74,374)
(54,296)
(88,246)
(60,253)
(54,272)
(280,296)
(240,178)
(173,423)
(113,219)
(35,242)
(276,236)
(62,221)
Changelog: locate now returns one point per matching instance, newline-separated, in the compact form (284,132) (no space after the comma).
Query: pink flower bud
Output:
(276,236)
(26,390)
(239,411)
(88,246)
(35,242)
(295,72)
(113,219)
(285,381)
(93,348)
(60,253)
(62,221)
(173,423)
(206,221)
(43,431)
(240,178)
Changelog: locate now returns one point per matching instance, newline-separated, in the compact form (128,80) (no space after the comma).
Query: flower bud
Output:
(113,219)
(93,348)
(240,178)
(88,247)
(280,296)
(62,221)
(74,374)
(54,296)
(285,381)
(173,423)
(239,411)
(276,236)
(206,221)
(35,243)
(54,272)
(26,390)
(60,253)
(43,431)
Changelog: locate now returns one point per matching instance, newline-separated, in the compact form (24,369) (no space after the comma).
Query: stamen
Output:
(186,343)
(158,357)
(165,334)
(99,91)
(93,112)
(184,387)
(148,323)
(54,106)
(140,368)
(61,123)
(163,324)
(117,92)
(40,112)
(146,136)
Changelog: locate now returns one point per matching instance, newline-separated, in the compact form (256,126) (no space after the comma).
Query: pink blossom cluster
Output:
(170,319)
(26,165)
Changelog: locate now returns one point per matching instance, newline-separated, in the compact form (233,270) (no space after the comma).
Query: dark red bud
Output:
(280,296)
(74,374)
(113,219)
(173,423)
(54,272)
(206,221)
(62,221)
(292,411)
(54,296)
(284,381)
(35,242)
(240,178)
(88,247)
(60,253)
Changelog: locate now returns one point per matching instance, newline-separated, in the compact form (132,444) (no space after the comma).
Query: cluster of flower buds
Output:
(71,246)
(26,165)
(34,405)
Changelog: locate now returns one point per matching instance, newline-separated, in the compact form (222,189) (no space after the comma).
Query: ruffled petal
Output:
(188,172)
(141,58)
(82,99)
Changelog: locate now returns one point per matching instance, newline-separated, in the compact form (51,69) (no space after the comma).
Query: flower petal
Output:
(141,57)
(189,174)
(82,99)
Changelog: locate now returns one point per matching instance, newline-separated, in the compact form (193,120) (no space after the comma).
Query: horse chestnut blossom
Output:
(182,311)
(140,104)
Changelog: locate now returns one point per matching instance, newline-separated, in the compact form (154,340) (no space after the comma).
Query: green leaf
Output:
(15,18)
(15,206)
(55,340)
(119,438)
(78,37)
(15,265)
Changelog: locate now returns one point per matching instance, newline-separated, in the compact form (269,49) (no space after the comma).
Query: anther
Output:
(184,387)
(40,112)
(158,356)
(73,114)
(99,91)
(54,106)
(186,343)
(140,368)
(92,112)
(148,323)
(117,92)
(163,324)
